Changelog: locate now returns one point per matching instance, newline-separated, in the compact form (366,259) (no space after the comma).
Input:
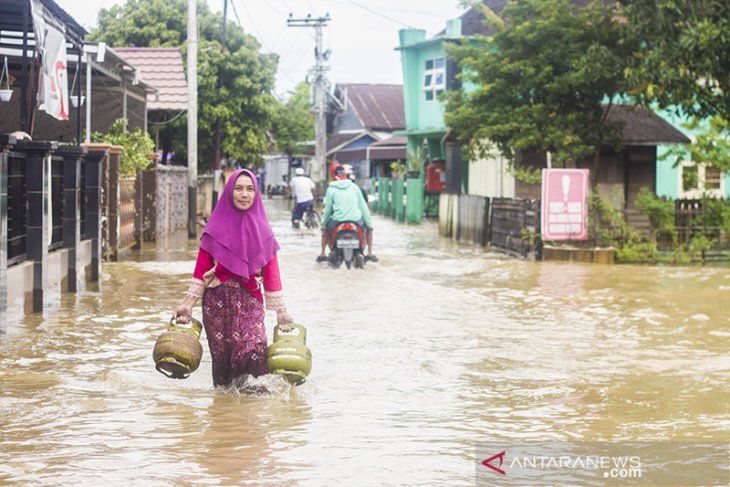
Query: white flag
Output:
(51,43)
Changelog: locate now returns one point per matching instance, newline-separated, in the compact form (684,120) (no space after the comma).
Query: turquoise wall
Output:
(421,114)
(431,113)
(667,175)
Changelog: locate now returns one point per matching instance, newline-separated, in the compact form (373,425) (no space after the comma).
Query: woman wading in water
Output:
(237,256)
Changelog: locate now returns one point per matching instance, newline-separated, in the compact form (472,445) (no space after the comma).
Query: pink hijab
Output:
(242,241)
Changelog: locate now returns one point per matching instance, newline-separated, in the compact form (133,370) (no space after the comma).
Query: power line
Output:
(377,13)
(253,24)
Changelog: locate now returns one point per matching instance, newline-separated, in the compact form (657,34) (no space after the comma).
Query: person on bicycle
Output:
(344,201)
(301,189)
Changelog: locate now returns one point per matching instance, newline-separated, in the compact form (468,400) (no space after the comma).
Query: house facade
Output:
(428,72)
(365,114)
(682,179)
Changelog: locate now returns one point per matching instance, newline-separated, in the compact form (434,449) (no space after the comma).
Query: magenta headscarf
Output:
(242,241)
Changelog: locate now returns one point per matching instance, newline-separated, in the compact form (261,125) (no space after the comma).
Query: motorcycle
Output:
(347,242)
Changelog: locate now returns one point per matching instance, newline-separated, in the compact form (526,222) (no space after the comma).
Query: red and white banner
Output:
(51,44)
(564,204)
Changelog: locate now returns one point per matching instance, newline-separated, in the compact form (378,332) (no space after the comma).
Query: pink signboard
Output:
(564,198)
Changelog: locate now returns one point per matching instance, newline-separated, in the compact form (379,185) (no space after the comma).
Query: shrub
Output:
(136,146)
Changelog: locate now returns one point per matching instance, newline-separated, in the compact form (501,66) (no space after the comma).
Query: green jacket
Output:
(343,201)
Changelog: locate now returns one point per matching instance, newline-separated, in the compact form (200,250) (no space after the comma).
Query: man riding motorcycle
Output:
(343,201)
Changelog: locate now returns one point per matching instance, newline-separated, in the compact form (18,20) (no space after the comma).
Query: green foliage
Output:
(397,168)
(235,84)
(415,158)
(682,59)
(660,212)
(637,253)
(716,214)
(607,226)
(527,175)
(293,125)
(136,146)
(533,239)
(711,146)
(540,81)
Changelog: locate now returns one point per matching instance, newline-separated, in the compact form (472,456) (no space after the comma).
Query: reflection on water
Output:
(416,359)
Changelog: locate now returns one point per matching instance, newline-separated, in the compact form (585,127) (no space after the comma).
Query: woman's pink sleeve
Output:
(271,276)
(204,263)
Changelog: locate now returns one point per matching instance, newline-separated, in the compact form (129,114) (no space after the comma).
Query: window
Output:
(699,179)
(434,78)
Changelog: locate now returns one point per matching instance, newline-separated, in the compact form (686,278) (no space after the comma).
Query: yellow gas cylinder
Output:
(178,351)
(289,355)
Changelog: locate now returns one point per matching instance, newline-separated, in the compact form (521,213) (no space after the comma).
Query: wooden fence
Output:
(515,223)
(510,225)
(693,216)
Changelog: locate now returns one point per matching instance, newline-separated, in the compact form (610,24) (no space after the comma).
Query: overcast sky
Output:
(362,34)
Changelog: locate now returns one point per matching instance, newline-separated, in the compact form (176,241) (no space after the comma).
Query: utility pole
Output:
(219,85)
(192,118)
(320,85)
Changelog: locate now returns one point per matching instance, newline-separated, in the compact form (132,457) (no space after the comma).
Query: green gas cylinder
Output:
(289,355)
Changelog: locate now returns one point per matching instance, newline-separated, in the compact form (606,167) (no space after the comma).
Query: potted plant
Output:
(75,98)
(397,169)
(415,157)
(6,81)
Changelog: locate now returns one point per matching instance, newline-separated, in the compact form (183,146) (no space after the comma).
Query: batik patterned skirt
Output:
(234,324)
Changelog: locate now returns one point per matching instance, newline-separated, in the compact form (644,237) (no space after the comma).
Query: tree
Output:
(243,104)
(294,122)
(682,61)
(539,81)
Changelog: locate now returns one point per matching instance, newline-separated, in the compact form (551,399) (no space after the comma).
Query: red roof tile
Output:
(161,67)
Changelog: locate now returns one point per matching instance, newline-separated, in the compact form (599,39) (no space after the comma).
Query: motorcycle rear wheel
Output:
(311,219)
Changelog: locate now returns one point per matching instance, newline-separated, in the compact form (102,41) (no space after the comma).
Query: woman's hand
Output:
(283,318)
(184,309)
(211,280)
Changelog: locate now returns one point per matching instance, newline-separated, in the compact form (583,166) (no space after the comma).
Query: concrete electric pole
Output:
(320,85)
(192,118)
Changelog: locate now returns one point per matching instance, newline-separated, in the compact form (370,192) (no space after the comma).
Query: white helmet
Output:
(299,171)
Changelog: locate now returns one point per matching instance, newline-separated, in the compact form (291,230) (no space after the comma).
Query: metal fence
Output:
(17,207)
(515,223)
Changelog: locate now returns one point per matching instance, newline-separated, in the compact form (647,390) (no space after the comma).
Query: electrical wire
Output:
(377,13)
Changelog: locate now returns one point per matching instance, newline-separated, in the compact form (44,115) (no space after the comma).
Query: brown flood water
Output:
(416,359)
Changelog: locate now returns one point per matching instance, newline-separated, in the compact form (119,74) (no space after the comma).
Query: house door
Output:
(639,174)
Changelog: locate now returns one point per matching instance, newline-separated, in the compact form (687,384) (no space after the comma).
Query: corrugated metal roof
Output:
(397,140)
(162,67)
(338,141)
(379,107)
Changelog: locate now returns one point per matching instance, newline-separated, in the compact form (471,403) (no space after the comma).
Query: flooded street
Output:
(416,359)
